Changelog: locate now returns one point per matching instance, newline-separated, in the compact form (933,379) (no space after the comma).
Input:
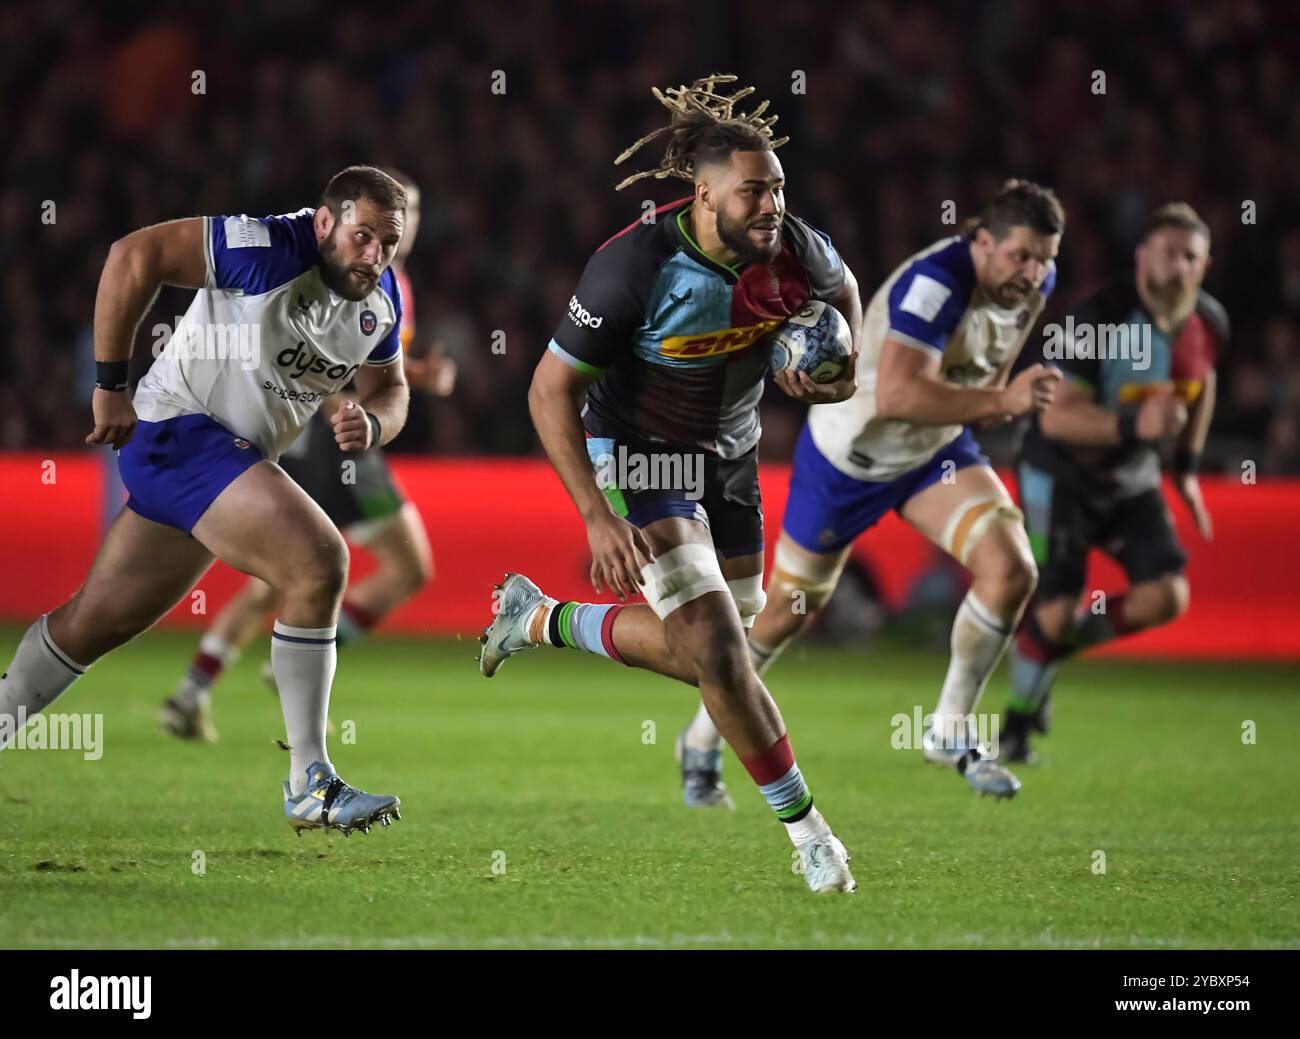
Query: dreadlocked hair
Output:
(705,128)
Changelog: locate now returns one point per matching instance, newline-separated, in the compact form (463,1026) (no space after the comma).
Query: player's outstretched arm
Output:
(618,549)
(378,414)
(1075,419)
(137,266)
(909,387)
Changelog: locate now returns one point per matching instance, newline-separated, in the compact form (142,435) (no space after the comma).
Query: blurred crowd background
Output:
(906,106)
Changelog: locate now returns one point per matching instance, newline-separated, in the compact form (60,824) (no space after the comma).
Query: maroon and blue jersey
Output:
(1129,359)
(678,338)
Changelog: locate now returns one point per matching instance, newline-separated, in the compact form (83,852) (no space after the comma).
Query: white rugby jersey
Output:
(931,302)
(265,340)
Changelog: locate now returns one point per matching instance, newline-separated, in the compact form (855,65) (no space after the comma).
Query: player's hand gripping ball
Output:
(816,341)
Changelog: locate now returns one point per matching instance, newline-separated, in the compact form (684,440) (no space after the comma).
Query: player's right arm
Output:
(137,266)
(1074,418)
(925,307)
(910,387)
(603,316)
(618,549)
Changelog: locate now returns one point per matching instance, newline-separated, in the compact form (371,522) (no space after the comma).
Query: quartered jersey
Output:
(265,340)
(678,338)
(931,302)
(1111,347)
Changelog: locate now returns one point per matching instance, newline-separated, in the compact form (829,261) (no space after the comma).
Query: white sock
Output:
(978,641)
(810,826)
(303,660)
(37,675)
(702,734)
(196,687)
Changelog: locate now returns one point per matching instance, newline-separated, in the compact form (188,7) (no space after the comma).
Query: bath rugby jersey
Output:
(933,303)
(678,339)
(1111,347)
(266,339)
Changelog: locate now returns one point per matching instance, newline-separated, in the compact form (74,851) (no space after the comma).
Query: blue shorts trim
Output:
(176,468)
(665,508)
(828,509)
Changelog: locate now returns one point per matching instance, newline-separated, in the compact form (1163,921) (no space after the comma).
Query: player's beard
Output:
(335,274)
(1008,298)
(735,237)
(1175,298)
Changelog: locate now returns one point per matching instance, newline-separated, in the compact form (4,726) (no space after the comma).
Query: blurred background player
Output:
(665,334)
(1089,470)
(200,461)
(939,339)
(363,500)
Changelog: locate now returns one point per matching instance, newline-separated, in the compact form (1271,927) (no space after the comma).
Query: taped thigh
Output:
(973,518)
(681,575)
(816,578)
(750,597)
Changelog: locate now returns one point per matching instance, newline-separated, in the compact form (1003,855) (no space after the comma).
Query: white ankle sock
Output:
(810,826)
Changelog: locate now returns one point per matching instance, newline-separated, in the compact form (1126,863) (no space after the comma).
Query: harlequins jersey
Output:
(677,338)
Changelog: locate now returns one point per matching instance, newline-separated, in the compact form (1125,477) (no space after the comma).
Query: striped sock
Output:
(579,625)
(782,786)
(1034,662)
(214,656)
(354,622)
(1091,629)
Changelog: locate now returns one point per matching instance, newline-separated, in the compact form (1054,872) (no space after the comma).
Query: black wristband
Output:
(376,432)
(112,375)
(1187,462)
(1128,434)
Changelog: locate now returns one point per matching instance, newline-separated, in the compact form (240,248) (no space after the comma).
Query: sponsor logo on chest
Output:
(723,341)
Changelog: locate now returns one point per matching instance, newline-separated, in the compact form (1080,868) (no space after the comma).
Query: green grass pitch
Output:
(540,810)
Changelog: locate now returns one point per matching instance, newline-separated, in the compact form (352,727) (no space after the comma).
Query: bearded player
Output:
(938,341)
(1090,466)
(665,335)
(360,496)
(198,444)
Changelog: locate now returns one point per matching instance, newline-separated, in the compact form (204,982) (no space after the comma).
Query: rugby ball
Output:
(816,340)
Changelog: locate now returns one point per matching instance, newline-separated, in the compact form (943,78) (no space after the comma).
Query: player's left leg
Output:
(264,524)
(1138,532)
(140,572)
(825,511)
(969,514)
(699,745)
(401,548)
(187,712)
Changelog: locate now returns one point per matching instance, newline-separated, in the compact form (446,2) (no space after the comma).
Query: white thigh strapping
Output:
(750,597)
(972,519)
(681,575)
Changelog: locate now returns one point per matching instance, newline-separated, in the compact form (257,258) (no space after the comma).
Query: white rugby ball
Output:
(816,340)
